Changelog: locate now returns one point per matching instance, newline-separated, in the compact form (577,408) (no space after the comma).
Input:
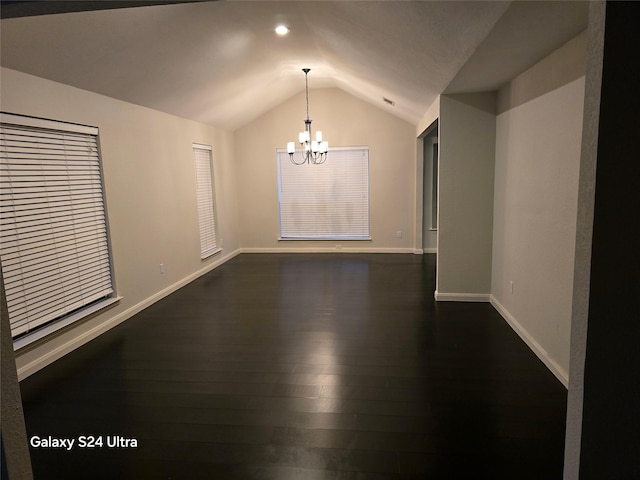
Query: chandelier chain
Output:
(306,87)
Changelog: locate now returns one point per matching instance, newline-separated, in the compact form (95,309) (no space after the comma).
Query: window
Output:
(205,195)
(329,201)
(54,248)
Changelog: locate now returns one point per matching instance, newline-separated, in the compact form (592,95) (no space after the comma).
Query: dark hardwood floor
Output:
(303,366)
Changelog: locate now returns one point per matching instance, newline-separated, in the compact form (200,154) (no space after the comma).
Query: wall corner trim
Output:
(76,342)
(461,297)
(531,342)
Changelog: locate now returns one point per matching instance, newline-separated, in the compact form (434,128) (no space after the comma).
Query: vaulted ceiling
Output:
(220,62)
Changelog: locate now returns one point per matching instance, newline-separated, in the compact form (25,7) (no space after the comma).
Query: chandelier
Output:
(313,151)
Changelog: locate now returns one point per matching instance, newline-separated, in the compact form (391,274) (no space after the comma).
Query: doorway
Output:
(430,190)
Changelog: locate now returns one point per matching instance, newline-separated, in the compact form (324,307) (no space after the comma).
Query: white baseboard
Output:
(333,249)
(77,341)
(461,297)
(522,332)
(419,251)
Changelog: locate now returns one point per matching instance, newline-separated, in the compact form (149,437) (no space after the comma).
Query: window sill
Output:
(210,254)
(40,333)
(332,239)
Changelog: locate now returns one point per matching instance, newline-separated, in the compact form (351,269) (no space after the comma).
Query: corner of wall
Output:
(430,116)
(560,373)
(49,356)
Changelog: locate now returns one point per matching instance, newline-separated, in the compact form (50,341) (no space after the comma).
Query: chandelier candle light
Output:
(313,151)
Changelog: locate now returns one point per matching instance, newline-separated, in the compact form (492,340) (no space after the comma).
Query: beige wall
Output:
(538,146)
(465,196)
(149,182)
(344,121)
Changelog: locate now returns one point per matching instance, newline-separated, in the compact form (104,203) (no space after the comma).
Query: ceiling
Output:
(220,62)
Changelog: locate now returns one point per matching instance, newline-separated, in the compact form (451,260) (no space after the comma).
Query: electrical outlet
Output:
(162,268)
(399,234)
(511,286)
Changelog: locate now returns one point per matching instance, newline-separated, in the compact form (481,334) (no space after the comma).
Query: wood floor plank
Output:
(305,366)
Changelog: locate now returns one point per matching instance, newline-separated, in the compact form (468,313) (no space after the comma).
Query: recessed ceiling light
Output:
(282,30)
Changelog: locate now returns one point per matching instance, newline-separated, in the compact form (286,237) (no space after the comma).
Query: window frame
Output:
(335,155)
(91,170)
(206,205)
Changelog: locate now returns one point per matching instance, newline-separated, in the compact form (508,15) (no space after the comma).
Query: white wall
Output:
(594,53)
(465,196)
(538,144)
(150,195)
(344,121)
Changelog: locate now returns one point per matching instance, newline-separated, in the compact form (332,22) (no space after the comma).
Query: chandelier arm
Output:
(292,158)
(319,158)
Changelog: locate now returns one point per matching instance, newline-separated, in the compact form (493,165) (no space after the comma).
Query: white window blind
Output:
(53,232)
(327,201)
(205,195)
